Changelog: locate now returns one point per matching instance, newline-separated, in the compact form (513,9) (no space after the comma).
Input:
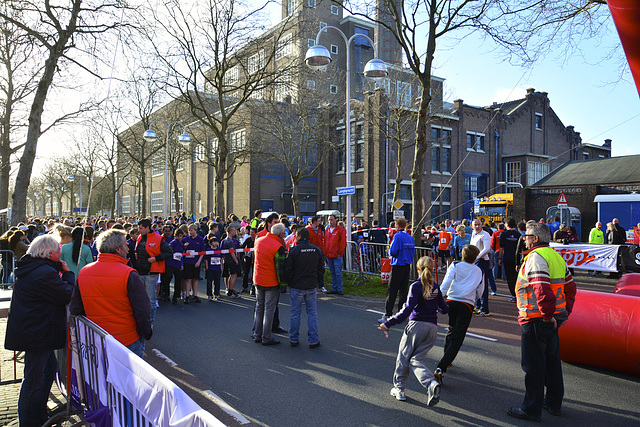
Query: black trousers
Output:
(176,274)
(459,318)
(398,287)
(512,275)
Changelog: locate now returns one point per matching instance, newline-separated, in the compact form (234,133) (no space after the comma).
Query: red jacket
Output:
(316,237)
(335,242)
(103,286)
(495,240)
(153,247)
(265,272)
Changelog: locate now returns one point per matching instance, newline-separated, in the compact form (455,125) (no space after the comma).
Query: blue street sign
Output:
(343,191)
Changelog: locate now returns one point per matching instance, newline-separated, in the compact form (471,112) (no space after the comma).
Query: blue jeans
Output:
(335,267)
(137,347)
(40,369)
(310,297)
(542,367)
(483,303)
(150,284)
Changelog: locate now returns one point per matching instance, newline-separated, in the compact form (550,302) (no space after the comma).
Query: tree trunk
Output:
(418,162)
(176,194)
(220,174)
(143,191)
(295,199)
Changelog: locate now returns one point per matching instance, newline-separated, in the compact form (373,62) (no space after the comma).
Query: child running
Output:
(420,333)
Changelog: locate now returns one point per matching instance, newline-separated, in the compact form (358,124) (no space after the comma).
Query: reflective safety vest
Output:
(526,298)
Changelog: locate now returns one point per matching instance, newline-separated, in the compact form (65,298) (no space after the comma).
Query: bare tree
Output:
(215,62)
(58,30)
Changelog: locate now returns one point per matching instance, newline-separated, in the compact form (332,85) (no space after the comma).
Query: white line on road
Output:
(162,356)
(374,311)
(226,408)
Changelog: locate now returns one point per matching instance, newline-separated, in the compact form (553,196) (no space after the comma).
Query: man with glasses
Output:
(545,293)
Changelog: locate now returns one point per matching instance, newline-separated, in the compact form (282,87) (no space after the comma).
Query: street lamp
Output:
(318,58)
(184,139)
(510,184)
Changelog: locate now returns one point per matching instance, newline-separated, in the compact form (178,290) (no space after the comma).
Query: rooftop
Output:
(613,170)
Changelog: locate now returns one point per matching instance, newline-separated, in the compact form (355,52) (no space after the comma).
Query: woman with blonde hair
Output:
(425,299)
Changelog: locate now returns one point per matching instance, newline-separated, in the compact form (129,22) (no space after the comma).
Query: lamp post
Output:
(184,139)
(318,58)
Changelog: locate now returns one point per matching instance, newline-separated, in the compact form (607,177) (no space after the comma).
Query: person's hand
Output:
(552,321)
(197,265)
(152,259)
(383,328)
(500,261)
(64,266)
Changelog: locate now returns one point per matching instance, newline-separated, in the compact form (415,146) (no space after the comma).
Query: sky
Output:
(584,90)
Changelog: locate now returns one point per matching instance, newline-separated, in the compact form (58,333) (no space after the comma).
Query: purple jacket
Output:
(418,309)
(176,247)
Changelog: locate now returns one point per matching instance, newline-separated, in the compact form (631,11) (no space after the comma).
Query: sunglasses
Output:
(529,235)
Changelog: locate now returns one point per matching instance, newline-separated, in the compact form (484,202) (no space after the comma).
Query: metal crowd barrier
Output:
(9,369)
(7,265)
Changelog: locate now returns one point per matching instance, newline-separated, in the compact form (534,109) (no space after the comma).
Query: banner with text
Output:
(589,257)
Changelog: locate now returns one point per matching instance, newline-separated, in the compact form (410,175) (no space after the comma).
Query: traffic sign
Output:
(398,214)
(398,204)
(562,200)
(343,191)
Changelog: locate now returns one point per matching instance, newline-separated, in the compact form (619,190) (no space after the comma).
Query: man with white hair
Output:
(268,276)
(113,295)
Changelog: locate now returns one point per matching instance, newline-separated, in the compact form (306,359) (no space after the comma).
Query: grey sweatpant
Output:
(417,340)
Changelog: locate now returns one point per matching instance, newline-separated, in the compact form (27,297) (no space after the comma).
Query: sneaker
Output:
(433,393)
(175,301)
(493,293)
(438,374)
(481,314)
(398,394)
(186,300)
(157,305)
(476,310)
(229,293)
(244,291)
(217,298)
(210,298)
(383,319)
(323,289)
(513,299)
(196,299)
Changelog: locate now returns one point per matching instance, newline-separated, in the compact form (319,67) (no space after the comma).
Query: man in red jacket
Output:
(112,294)
(335,242)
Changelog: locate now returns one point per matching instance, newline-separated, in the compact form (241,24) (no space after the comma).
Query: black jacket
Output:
(304,266)
(37,316)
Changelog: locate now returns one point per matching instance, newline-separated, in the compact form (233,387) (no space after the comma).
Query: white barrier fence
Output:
(114,387)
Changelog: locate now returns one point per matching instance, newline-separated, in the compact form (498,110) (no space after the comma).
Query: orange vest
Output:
(152,246)
(526,298)
(103,287)
(444,237)
(264,269)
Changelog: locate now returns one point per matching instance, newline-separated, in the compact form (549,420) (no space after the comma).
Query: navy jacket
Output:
(304,266)
(37,315)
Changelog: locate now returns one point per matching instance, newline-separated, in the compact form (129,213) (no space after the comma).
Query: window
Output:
(403,94)
(475,141)
(199,153)
(334,9)
(311,84)
(214,147)
(446,160)
(435,213)
(340,158)
(322,25)
(180,164)
(255,62)
(290,6)
(257,94)
(512,172)
(311,42)
(125,204)
(173,200)
(357,144)
(157,201)
(435,159)
(474,186)
(285,90)
(284,46)
(158,163)
(536,171)
(231,76)
(585,155)
(538,121)
(312,3)
(238,140)
(333,89)
(334,49)
(435,193)
(361,41)
(359,207)
(359,155)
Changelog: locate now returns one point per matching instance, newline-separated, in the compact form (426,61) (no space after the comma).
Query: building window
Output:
(334,49)
(323,25)
(284,46)
(125,204)
(359,155)
(333,89)
(255,62)
(173,200)
(359,207)
(446,159)
(403,94)
(157,201)
(585,155)
(214,147)
(435,213)
(312,3)
(285,90)
(435,158)
(334,9)
(536,171)
(311,84)
(158,163)
(180,164)
(446,136)
(512,172)
(538,121)
(238,140)
(475,141)
(257,93)
(340,158)
(199,153)
(479,142)
(474,186)
(231,76)
(311,42)
(361,41)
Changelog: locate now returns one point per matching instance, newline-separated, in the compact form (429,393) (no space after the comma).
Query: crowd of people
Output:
(126,266)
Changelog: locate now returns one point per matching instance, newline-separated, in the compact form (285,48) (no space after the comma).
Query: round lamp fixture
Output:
(317,57)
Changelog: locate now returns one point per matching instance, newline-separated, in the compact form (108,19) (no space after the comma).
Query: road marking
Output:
(162,356)
(226,408)
(481,337)
(374,311)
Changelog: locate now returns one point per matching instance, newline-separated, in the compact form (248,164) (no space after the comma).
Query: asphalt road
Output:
(346,381)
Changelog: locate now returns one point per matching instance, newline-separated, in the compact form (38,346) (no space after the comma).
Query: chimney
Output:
(457,104)
(530,90)
(388,47)
(607,143)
